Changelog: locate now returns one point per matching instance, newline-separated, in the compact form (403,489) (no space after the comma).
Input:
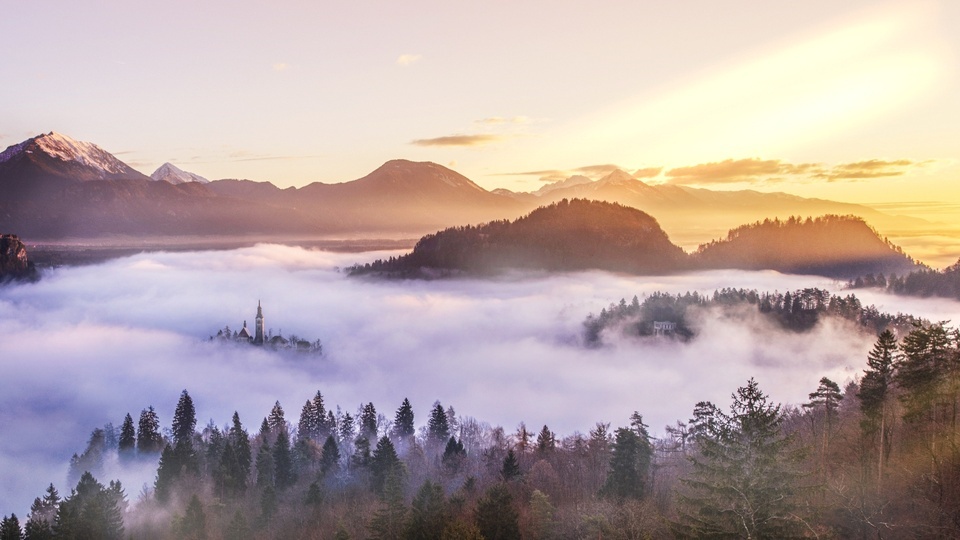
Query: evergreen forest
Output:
(878,457)
(795,311)
(924,282)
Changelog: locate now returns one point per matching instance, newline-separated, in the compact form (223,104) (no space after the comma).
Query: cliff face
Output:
(13,259)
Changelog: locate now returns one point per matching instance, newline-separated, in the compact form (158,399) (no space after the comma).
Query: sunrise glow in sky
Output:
(854,102)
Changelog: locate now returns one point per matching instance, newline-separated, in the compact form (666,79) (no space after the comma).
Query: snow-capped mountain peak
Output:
(67,149)
(60,148)
(170,173)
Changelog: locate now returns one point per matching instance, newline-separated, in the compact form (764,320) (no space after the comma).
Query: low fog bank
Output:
(86,345)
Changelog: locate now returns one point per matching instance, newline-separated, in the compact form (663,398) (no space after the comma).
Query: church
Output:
(244,334)
(261,337)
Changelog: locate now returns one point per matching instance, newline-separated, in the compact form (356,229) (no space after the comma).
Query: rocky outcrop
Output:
(13,259)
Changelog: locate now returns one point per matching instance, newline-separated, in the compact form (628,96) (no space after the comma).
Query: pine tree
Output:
(276,420)
(428,513)
(389,520)
(314,496)
(184,420)
(403,427)
(238,529)
(91,511)
(229,477)
(10,528)
(149,440)
(268,505)
(929,358)
(193,524)
(330,425)
(875,389)
(828,396)
(368,422)
(240,440)
(383,463)
(629,466)
(37,529)
(438,429)
(127,444)
(282,462)
(361,453)
(330,459)
(265,466)
(542,523)
(453,456)
(523,437)
(546,441)
(743,481)
(264,433)
(43,511)
(168,470)
(510,468)
(347,433)
(307,427)
(497,519)
(321,419)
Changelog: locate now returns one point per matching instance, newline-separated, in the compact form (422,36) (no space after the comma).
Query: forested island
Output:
(879,458)
(579,234)
(564,236)
(924,282)
(796,311)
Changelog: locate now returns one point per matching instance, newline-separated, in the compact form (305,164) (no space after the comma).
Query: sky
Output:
(86,345)
(852,101)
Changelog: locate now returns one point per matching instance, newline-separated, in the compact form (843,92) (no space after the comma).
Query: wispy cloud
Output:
(649,172)
(739,170)
(598,170)
(408,59)
(459,140)
(136,164)
(545,175)
(498,120)
(276,158)
(240,156)
(755,170)
(873,168)
(590,171)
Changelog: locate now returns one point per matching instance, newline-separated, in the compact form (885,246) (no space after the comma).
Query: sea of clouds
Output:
(86,345)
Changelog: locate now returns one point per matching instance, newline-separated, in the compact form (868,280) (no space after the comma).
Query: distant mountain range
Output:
(56,187)
(584,235)
(682,208)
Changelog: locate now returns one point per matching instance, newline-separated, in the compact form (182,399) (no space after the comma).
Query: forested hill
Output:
(833,246)
(567,235)
(923,282)
(582,235)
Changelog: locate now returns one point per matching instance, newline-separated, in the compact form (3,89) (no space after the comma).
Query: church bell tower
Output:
(259,335)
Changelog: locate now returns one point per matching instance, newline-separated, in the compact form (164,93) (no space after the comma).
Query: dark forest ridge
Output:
(592,235)
(55,187)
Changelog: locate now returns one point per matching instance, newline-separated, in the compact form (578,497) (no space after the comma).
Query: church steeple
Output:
(259,334)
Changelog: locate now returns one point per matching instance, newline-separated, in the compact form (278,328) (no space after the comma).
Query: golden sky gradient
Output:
(854,102)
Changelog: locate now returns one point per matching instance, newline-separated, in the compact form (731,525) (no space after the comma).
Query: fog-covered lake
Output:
(86,345)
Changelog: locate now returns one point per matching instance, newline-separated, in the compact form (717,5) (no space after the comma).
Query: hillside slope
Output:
(564,236)
(832,246)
